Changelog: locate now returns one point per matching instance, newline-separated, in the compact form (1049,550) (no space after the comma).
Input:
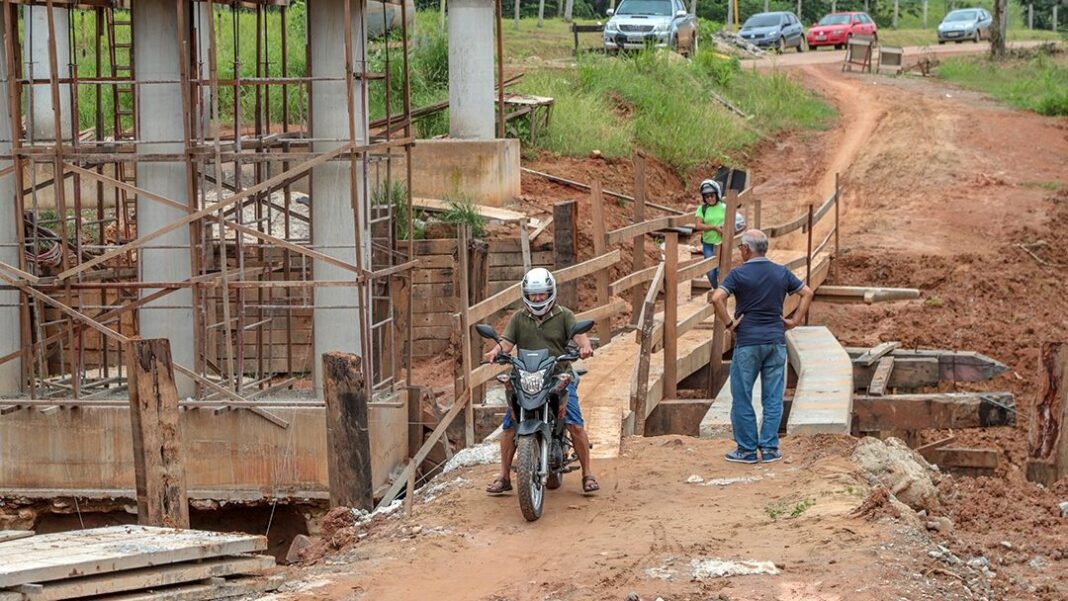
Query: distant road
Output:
(792,58)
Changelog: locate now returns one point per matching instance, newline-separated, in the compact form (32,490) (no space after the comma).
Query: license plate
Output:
(821,37)
(635,38)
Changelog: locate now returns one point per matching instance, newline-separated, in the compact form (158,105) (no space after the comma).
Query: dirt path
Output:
(827,57)
(939,186)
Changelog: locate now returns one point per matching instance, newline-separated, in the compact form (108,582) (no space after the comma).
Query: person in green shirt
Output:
(544,325)
(710,217)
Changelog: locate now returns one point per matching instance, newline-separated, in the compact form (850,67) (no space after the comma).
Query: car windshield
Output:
(658,8)
(765,20)
(964,15)
(835,20)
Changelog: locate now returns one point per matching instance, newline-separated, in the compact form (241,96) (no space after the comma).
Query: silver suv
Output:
(661,23)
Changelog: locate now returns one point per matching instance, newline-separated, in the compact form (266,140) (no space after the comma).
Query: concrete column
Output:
(202,19)
(1030,16)
(156,57)
(37,63)
(471,52)
(10,332)
(337,317)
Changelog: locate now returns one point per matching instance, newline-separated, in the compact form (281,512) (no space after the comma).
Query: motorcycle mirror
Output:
(581,327)
(487,331)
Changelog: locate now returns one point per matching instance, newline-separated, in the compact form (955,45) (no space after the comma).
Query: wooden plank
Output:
(565,242)
(604,311)
(881,377)
(696,269)
(908,373)
(6,535)
(510,295)
(958,457)
(604,326)
(515,259)
(639,388)
(146,578)
(632,280)
(671,314)
(823,398)
(627,232)
(864,294)
(1047,435)
(954,366)
(488,212)
(540,229)
(347,435)
(934,411)
(524,244)
(876,353)
(159,466)
(214,589)
(48,557)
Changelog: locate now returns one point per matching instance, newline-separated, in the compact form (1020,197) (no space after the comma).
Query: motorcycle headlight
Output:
(531,381)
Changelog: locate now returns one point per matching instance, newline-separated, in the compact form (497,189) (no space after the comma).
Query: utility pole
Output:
(896,9)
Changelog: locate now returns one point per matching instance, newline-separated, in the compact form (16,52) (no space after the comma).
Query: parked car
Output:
(660,23)
(835,29)
(965,24)
(780,30)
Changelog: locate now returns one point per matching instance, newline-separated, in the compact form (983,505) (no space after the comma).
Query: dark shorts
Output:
(572,415)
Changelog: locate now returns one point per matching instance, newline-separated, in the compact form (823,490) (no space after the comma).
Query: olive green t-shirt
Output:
(712,215)
(528,333)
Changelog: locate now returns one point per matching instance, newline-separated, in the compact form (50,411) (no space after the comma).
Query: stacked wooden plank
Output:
(124,563)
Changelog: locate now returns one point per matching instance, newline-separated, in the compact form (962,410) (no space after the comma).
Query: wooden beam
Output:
(540,229)
(511,294)
(864,294)
(604,311)
(632,280)
(671,314)
(958,458)
(935,411)
(581,186)
(465,324)
(876,353)
(159,467)
(639,389)
(402,480)
(638,242)
(1047,436)
(604,326)
(348,439)
(877,387)
(908,373)
(954,366)
(524,245)
(565,242)
(677,416)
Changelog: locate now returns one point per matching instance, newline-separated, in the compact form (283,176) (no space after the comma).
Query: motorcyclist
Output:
(543,325)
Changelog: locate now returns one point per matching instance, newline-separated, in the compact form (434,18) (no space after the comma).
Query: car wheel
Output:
(976,38)
(941,41)
(801,45)
(839,46)
(875,38)
(781,49)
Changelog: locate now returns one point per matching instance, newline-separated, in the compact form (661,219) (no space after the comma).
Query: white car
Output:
(660,23)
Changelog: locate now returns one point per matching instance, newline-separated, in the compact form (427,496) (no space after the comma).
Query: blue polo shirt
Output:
(760,287)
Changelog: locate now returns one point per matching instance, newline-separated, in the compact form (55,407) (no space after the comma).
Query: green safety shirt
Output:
(712,215)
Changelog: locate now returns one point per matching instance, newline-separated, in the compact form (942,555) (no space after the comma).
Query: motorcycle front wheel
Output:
(528,477)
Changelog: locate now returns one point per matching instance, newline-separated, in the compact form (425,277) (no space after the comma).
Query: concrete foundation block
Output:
(486,171)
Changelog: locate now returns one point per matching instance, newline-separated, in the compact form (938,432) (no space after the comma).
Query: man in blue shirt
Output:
(760,288)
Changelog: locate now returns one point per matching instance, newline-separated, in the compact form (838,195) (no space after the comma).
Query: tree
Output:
(997,29)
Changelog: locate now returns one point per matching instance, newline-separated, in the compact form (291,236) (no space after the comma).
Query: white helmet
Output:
(539,281)
(711,186)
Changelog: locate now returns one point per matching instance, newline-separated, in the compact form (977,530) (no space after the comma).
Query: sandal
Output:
(589,485)
(500,485)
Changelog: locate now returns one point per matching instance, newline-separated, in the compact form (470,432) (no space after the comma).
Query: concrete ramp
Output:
(717,422)
(823,399)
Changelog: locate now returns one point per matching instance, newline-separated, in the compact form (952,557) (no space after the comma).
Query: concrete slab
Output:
(717,422)
(823,398)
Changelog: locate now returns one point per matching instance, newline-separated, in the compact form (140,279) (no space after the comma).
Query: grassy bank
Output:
(664,105)
(1038,83)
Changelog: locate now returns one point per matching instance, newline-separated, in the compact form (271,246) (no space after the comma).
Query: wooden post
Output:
(159,469)
(837,216)
(640,391)
(726,251)
(604,325)
(477,290)
(409,494)
(465,341)
(758,206)
(416,395)
(638,246)
(671,313)
(348,439)
(565,233)
(1047,436)
(808,247)
(524,245)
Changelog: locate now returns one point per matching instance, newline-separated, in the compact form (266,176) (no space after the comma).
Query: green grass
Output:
(662,104)
(928,37)
(1038,84)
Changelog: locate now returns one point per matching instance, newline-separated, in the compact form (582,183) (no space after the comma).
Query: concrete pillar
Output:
(167,258)
(10,332)
(1030,16)
(36,60)
(202,20)
(471,52)
(337,317)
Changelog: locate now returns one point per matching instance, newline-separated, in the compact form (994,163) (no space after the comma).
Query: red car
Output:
(836,28)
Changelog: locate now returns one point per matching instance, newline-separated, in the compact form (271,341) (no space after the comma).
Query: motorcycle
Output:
(537,398)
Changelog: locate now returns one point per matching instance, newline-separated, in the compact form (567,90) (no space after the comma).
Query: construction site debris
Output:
(905,473)
(1064,509)
(705,568)
(476,455)
(729,42)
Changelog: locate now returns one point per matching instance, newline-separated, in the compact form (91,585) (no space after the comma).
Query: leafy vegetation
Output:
(463,211)
(1038,83)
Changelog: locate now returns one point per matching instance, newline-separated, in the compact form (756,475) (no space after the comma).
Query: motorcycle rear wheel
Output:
(528,479)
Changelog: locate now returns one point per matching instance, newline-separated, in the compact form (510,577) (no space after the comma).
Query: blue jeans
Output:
(709,250)
(769,362)
(572,414)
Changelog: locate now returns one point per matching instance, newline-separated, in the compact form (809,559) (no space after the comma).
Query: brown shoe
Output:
(499,485)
